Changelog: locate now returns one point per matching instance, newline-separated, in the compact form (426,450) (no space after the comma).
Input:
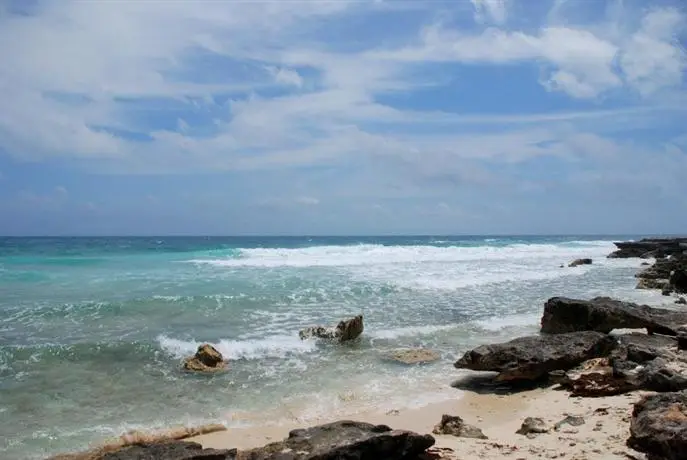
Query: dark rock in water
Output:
(455,426)
(344,440)
(206,359)
(681,301)
(346,330)
(644,264)
(659,426)
(577,262)
(604,314)
(174,450)
(532,426)
(533,357)
(649,247)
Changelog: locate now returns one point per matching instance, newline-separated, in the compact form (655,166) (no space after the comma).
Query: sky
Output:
(343,117)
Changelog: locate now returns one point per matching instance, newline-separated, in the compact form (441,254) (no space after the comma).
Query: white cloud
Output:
(653,58)
(114,59)
(286,76)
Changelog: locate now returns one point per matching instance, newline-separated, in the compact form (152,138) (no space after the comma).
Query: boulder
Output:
(344,440)
(658,426)
(455,426)
(604,314)
(346,330)
(681,301)
(533,357)
(577,262)
(206,359)
(174,450)
(414,356)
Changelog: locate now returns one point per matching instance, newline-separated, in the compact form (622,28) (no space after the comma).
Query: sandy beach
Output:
(602,436)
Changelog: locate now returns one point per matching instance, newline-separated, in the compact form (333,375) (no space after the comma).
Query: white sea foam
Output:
(497,323)
(432,268)
(277,346)
(409,331)
(373,254)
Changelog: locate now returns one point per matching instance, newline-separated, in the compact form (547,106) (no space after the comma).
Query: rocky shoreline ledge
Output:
(603,379)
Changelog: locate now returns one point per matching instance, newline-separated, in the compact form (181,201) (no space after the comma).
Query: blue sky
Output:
(343,117)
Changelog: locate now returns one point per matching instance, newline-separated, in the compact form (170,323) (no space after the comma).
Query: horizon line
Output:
(381,235)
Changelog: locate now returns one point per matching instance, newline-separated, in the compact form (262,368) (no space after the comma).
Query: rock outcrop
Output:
(640,362)
(344,440)
(333,441)
(414,356)
(455,426)
(604,314)
(346,330)
(659,270)
(175,450)
(206,359)
(649,247)
(533,357)
(577,262)
(659,426)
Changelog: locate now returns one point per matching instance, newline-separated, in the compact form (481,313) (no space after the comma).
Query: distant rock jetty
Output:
(648,248)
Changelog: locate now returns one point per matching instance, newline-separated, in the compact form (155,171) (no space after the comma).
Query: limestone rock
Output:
(414,356)
(604,314)
(577,262)
(346,330)
(455,426)
(631,366)
(649,247)
(206,359)
(175,450)
(344,440)
(533,357)
(659,426)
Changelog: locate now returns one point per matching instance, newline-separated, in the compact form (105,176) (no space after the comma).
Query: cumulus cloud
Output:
(297,87)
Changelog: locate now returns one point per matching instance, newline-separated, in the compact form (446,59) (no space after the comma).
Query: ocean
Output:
(93,330)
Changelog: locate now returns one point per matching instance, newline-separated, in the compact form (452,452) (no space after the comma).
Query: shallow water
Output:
(92,329)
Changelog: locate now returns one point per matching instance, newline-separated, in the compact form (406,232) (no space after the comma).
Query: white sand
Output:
(602,436)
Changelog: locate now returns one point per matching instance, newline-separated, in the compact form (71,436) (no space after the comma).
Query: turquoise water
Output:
(92,330)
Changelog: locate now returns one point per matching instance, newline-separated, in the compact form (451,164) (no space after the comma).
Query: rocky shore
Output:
(603,379)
